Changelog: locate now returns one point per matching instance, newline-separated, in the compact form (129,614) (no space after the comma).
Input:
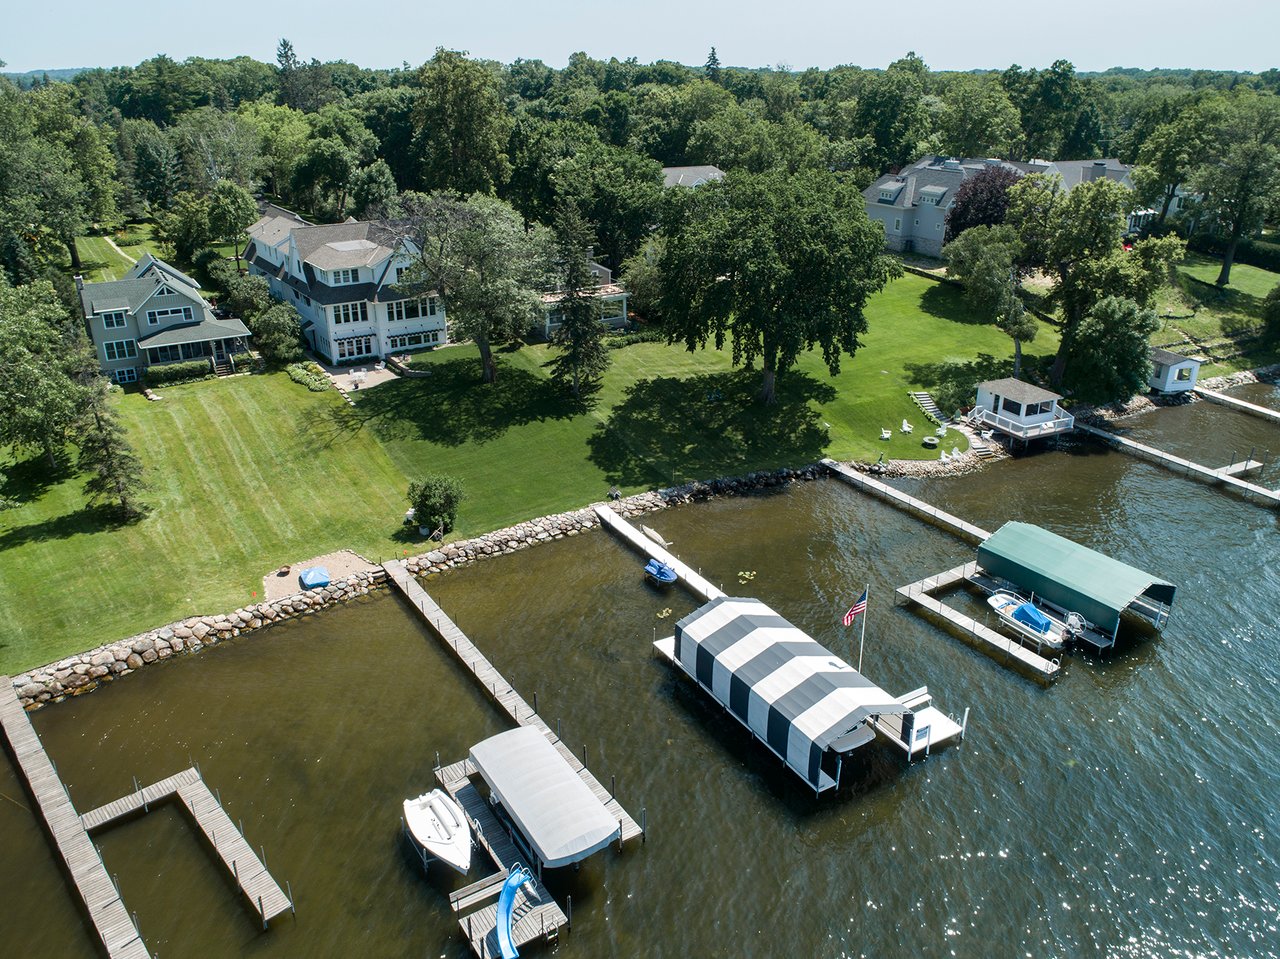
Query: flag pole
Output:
(867,593)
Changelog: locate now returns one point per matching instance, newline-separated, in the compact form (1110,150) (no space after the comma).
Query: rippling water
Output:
(1130,810)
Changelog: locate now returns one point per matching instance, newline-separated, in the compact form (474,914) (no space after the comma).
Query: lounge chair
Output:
(885,434)
(941,431)
(906,427)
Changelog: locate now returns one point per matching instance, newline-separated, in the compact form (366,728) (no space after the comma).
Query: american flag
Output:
(859,607)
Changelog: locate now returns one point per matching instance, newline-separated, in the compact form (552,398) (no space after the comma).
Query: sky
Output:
(948,34)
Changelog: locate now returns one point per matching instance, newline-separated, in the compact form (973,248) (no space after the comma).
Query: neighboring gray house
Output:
(154,315)
(690,175)
(612,297)
(913,204)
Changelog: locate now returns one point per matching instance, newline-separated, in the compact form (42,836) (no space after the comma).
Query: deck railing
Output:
(1059,424)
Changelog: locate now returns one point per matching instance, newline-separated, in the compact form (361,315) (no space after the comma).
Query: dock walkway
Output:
(493,682)
(1253,409)
(695,581)
(994,644)
(101,899)
(919,507)
(1180,465)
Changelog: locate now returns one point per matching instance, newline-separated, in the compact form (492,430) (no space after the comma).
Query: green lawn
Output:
(99,262)
(242,481)
(252,472)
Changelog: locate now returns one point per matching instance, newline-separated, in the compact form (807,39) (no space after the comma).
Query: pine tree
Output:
(115,472)
(583,356)
(712,68)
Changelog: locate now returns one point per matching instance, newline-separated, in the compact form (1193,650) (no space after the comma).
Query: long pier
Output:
(994,644)
(953,524)
(695,581)
(503,693)
(1184,466)
(1253,409)
(101,899)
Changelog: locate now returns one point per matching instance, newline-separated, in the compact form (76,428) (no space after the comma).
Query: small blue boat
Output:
(659,573)
(314,578)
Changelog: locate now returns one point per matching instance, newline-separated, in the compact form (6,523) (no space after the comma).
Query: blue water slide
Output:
(518,876)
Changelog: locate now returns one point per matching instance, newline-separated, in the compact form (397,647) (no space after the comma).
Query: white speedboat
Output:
(1033,623)
(438,825)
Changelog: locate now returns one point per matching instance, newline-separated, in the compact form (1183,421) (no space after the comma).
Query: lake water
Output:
(1129,810)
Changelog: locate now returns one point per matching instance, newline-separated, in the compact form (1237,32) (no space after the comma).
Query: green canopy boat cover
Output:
(1069,575)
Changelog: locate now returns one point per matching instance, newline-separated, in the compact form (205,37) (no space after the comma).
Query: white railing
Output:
(1059,424)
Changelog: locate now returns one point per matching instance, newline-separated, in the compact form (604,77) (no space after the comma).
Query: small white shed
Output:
(1172,372)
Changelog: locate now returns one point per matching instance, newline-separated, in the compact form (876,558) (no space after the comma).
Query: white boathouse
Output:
(1021,410)
(1172,372)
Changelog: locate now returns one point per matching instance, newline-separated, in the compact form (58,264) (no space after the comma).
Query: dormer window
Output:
(113,320)
(164,291)
(343,277)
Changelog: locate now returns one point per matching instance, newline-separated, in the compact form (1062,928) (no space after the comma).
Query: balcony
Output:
(1060,423)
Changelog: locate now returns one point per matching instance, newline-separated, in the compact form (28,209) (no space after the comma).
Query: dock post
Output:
(613,786)
(584,754)
(535,700)
(569,910)
(619,834)
(964,723)
(235,870)
(644,824)
(557,727)
(263,913)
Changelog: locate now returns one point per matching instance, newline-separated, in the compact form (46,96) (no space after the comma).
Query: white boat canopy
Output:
(799,698)
(550,804)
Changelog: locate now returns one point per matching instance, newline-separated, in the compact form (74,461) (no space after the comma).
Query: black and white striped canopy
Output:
(791,691)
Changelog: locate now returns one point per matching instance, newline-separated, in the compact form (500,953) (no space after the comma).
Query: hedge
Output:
(309,375)
(616,341)
(1257,253)
(242,361)
(178,372)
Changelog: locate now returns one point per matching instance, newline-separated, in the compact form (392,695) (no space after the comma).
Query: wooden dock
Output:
(492,681)
(1253,409)
(953,524)
(250,874)
(695,581)
(101,899)
(1184,466)
(994,644)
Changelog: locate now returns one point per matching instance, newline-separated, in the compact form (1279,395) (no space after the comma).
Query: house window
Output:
(897,224)
(129,375)
(1184,374)
(120,349)
(431,306)
(429,338)
(341,277)
(307,300)
(164,291)
(154,317)
(350,312)
(400,272)
(164,354)
(113,321)
(938,227)
(404,310)
(354,346)
(1009,406)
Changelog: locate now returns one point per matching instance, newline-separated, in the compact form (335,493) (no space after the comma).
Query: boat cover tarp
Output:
(791,691)
(1028,615)
(549,803)
(314,578)
(1068,575)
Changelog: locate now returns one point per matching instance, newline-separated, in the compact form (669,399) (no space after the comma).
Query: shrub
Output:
(616,341)
(1257,253)
(178,372)
(1271,315)
(242,361)
(435,500)
(277,333)
(309,375)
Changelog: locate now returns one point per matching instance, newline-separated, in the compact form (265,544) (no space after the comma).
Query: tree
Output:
(981,200)
(1239,179)
(184,227)
(277,333)
(1077,239)
(1166,160)
(248,296)
(462,125)
(488,268)
(1111,355)
(1049,103)
(780,263)
(157,168)
(283,134)
(712,68)
(1271,314)
(984,259)
(614,189)
(115,472)
(891,109)
(215,145)
(340,145)
(231,211)
(372,187)
(41,358)
(642,277)
(977,118)
(583,356)
(435,500)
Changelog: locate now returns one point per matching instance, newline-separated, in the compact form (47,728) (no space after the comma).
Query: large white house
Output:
(913,204)
(155,315)
(342,278)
